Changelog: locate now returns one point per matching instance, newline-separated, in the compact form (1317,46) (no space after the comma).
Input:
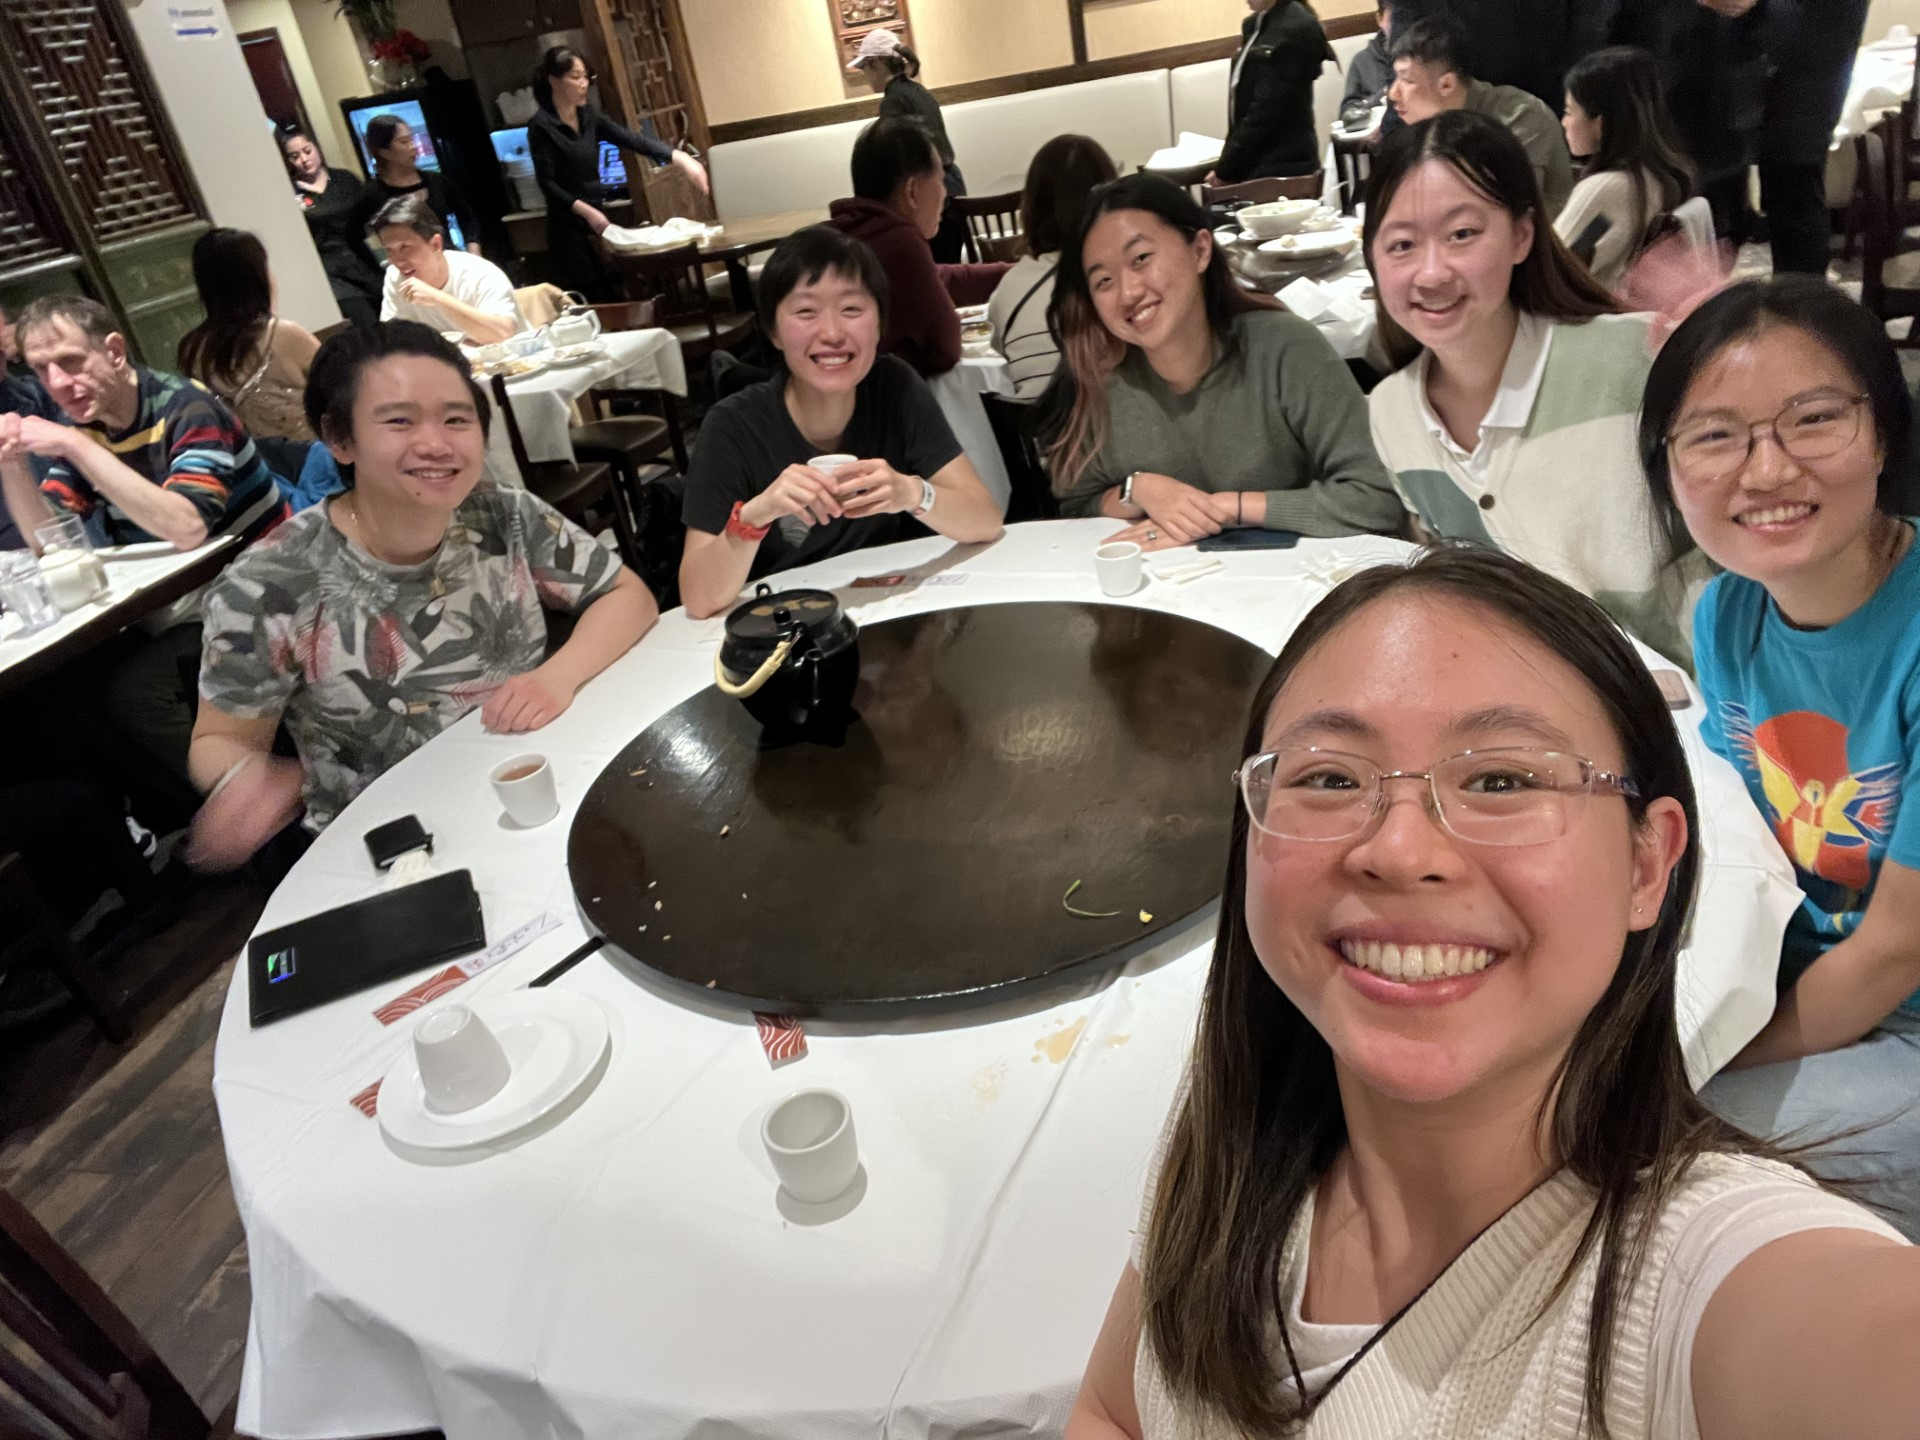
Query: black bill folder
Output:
(317,960)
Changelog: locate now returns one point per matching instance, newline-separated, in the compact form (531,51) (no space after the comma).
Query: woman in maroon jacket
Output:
(899,186)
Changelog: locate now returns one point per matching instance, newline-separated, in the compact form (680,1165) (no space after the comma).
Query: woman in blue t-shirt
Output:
(1769,423)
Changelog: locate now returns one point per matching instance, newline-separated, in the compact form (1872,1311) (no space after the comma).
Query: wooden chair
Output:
(1032,496)
(71,1363)
(585,491)
(1889,278)
(1267,189)
(34,934)
(1353,163)
(675,280)
(1185,176)
(632,443)
(993,225)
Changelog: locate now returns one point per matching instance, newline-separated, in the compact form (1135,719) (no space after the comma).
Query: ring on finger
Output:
(1153,534)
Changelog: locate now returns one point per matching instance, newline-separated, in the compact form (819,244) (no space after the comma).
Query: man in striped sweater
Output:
(141,455)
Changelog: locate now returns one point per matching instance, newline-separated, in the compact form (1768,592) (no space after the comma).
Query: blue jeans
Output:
(1872,1086)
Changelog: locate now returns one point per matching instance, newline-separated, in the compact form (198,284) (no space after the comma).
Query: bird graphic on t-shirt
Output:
(1826,816)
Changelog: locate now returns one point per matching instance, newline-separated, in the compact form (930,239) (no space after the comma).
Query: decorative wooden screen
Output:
(646,75)
(852,19)
(27,236)
(98,113)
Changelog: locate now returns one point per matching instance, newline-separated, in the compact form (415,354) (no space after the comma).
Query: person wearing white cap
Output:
(894,70)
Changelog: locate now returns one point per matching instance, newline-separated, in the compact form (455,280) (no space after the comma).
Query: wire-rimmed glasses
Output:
(1505,796)
(1813,427)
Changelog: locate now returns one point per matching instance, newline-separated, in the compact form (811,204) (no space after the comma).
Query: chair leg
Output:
(670,411)
(78,974)
(623,490)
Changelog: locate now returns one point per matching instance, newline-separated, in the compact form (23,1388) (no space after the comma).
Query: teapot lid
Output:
(766,617)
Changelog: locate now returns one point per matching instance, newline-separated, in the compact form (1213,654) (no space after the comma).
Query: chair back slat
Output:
(69,1356)
(993,224)
(1265,189)
(503,413)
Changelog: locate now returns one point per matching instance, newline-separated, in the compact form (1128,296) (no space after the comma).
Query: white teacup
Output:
(1121,566)
(525,787)
(832,464)
(461,1062)
(809,1137)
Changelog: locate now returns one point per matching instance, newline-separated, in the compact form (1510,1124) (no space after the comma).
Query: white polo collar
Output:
(1520,380)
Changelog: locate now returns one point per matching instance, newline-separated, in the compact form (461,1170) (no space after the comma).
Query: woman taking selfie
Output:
(372,622)
(756,503)
(242,351)
(1437,1170)
(1617,122)
(1511,419)
(1188,405)
(1776,421)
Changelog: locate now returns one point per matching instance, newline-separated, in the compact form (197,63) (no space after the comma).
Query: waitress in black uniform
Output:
(894,70)
(564,140)
(397,172)
(331,199)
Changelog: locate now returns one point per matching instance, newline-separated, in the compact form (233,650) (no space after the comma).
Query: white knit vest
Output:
(1468,1361)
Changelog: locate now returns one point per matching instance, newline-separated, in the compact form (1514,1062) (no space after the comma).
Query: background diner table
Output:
(137,586)
(543,401)
(628,1268)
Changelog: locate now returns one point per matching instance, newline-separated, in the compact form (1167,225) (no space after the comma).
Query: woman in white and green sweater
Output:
(1437,1171)
(1189,406)
(1511,421)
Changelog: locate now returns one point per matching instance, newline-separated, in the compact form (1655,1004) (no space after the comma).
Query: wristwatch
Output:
(927,496)
(1126,488)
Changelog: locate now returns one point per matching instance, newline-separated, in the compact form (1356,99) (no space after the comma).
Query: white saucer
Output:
(1311,246)
(554,1040)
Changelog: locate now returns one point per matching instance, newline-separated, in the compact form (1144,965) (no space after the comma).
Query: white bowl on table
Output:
(1271,221)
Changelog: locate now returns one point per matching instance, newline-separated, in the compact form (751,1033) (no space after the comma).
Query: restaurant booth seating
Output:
(1131,115)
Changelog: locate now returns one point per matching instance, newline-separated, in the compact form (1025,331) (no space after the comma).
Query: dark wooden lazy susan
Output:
(1003,752)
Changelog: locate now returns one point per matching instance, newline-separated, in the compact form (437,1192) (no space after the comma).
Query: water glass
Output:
(24,591)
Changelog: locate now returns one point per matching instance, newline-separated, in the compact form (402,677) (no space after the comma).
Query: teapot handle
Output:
(751,685)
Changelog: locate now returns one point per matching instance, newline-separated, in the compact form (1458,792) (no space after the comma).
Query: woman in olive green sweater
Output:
(1189,406)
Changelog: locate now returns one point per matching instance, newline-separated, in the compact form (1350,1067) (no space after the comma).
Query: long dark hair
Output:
(230,271)
(1073,412)
(1549,282)
(1807,303)
(556,62)
(1620,87)
(1261,1120)
(1063,173)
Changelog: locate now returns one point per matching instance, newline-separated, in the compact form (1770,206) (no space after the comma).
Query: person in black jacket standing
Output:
(563,139)
(1270,93)
(894,70)
(1812,44)
(331,199)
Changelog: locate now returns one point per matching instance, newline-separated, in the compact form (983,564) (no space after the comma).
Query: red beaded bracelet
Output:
(741,529)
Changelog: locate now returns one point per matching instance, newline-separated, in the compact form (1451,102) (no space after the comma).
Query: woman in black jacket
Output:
(397,172)
(564,140)
(894,70)
(1270,94)
(331,199)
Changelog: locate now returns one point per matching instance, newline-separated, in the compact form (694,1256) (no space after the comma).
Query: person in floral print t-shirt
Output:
(373,622)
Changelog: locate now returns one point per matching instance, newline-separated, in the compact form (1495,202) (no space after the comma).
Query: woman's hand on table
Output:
(257,802)
(797,490)
(873,487)
(1174,509)
(527,702)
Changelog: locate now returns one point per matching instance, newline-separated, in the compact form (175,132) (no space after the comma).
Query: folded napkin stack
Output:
(665,236)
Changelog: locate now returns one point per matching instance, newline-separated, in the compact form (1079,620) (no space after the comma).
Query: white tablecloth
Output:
(958,392)
(1882,80)
(127,579)
(628,1271)
(543,402)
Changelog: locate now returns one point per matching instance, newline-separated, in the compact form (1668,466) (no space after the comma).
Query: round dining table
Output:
(629,1266)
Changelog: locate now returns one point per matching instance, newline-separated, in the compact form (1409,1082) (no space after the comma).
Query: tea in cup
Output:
(525,787)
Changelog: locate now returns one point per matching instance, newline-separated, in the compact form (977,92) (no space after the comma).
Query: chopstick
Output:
(573,958)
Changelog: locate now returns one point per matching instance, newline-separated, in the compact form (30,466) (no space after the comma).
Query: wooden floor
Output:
(117,1149)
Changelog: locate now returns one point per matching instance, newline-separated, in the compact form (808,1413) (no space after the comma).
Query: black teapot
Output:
(793,659)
